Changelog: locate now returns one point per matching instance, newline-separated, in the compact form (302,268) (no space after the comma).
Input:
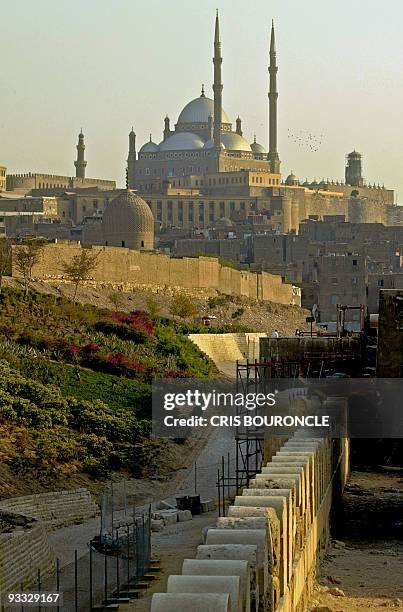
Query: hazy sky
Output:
(106,65)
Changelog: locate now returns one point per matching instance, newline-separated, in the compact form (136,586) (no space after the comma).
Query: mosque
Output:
(203,140)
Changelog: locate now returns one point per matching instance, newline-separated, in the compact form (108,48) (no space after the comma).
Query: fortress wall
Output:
(117,265)
(362,211)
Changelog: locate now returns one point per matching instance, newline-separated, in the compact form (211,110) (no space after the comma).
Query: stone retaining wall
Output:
(23,552)
(55,509)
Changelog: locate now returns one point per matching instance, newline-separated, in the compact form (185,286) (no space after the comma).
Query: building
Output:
(203,141)
(3,172)
(36,184)
(128,222)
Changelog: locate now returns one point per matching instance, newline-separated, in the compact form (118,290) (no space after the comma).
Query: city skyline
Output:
(108,83)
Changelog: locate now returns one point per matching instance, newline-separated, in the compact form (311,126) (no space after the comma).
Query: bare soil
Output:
(366,562)
(256,316)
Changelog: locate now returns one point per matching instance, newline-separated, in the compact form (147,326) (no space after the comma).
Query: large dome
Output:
(128,222)
(199,110)
(181,141)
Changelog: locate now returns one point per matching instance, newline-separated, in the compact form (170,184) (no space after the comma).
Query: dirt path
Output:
(366,564)
(172,546)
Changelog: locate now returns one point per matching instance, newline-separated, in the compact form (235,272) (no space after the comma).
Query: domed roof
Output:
(128,222)
(257,148)
(210,145)
(235,142)
(199,110)
(181,141)
(291,179)
(149,147)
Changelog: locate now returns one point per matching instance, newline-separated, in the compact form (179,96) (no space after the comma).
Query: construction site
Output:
(259,522)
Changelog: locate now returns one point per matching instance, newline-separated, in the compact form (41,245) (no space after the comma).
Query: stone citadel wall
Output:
(118,265)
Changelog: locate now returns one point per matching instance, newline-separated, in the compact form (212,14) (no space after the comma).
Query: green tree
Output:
(79,268)
(116,298)
(182,306)
(27,255)
(153,308)
(5,259)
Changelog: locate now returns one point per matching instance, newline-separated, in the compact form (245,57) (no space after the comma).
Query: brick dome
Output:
(128,222)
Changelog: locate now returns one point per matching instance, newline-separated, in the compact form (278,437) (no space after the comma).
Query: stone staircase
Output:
(226,349)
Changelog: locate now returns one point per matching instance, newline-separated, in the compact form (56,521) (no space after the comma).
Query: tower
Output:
(273,97)
(239,126)
(217,87)
(131,161)
(80,164)
(167,129)
(354,169)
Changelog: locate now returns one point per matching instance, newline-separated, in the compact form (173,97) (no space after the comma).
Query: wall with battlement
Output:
(133,268)
(32,180)
(55,509)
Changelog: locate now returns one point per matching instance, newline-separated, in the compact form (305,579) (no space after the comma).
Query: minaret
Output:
(217,87)
(167,128)
(80,164)
(131,161)
(239,126)
(273,96)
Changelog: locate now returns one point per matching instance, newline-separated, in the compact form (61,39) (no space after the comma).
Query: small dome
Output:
(257,148)
(128,222)
(291,179)
(210,145)
(199,110)
(149,147)
(234,142)
(181,141)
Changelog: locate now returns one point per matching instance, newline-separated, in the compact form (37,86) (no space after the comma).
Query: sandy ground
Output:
(368,570)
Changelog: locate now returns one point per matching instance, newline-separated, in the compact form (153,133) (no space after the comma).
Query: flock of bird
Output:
(306,140)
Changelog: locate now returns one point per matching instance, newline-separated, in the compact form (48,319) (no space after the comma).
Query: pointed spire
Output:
(273,156)
(151,138)
(217,29)
(254,138)
(202,91)
(217,86)
(272,38)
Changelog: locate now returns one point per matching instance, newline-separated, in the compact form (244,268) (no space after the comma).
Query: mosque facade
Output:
(204,140)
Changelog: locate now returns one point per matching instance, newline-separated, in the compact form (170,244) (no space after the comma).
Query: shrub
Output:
(182,306)
(217,301)
(122,330)
(238,313)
